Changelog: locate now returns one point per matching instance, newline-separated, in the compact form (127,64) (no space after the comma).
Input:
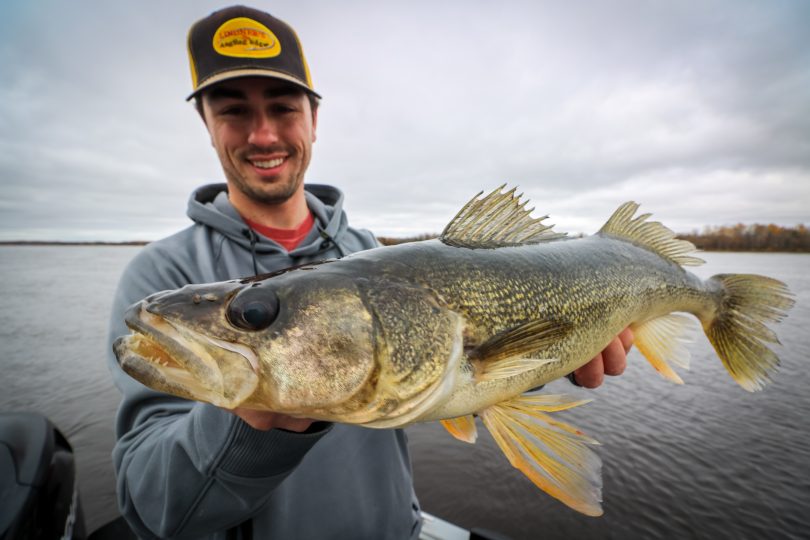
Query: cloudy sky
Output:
(698,109)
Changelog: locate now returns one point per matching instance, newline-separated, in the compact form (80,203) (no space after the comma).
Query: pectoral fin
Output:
(554,455)
(662,340)
(462,428)
(531,337)
(506,355)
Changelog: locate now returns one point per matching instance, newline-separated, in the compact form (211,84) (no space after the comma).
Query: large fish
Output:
(455,327)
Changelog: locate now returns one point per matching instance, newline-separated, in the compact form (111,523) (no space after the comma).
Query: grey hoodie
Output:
(191,470)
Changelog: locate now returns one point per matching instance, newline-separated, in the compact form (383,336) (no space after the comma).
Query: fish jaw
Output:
(177,360)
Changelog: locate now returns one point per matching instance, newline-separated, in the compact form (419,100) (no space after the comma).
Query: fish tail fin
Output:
(737,330)
(554,455)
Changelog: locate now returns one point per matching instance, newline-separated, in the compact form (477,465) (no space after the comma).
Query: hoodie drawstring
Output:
(253,237)
(326,236)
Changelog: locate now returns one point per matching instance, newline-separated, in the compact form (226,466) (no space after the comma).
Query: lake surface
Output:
(702,460)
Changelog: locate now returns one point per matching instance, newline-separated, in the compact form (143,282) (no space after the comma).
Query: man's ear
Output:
(200,107)
(315,124)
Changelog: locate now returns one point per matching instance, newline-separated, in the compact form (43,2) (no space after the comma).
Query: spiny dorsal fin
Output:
(553,454)
(497,220)
(649,234)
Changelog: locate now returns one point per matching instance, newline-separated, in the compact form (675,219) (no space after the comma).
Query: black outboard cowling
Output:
(39,496)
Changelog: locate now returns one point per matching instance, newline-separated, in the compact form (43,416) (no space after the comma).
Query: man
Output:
(192,470)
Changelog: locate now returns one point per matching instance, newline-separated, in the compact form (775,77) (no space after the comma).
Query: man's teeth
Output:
(268,164)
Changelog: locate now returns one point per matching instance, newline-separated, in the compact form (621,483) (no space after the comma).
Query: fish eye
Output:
(253,309)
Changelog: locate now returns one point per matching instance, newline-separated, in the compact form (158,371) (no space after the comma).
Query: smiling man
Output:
(263,130)
(192,470)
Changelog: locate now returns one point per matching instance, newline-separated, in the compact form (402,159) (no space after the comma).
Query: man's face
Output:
(262,130)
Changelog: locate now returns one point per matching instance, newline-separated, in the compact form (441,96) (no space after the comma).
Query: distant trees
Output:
(755,237)
(391,241)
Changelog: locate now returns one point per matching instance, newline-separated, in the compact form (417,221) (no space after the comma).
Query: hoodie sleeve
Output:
(186,469)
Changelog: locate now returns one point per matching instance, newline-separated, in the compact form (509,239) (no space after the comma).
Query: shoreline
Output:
(140,243)
(385,241)
(70,243)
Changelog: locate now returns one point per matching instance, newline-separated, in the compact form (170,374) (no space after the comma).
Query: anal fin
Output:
(554,455)
(462,428)
(661,341)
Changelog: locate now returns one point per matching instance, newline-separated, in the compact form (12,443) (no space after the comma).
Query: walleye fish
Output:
(455,327)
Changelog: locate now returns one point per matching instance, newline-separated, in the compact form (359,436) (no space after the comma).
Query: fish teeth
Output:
(156,360)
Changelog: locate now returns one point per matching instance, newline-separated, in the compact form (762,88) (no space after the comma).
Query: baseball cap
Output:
(239,41)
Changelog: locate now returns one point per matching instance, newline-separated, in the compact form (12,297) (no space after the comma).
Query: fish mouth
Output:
(178,360)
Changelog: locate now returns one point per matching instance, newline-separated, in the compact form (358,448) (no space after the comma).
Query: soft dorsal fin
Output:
(497,220)
(649,234)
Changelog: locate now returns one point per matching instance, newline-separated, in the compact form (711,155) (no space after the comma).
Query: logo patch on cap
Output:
(245,38)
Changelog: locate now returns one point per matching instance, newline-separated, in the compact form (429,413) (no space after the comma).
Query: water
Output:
(702,460)
(53,332)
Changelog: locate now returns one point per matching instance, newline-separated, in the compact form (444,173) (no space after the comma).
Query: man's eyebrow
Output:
(223,92)
(281,91)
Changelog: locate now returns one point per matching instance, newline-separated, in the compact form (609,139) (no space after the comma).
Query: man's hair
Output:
(314,101)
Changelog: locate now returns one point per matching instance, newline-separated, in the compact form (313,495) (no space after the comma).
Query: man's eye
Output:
(233,111)
(281,108)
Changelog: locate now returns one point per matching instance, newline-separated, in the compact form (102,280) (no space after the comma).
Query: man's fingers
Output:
(592,374)
(612,361)
(614,357)
(626,336)
(265,420)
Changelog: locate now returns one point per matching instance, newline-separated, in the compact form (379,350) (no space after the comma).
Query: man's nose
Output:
(264,132)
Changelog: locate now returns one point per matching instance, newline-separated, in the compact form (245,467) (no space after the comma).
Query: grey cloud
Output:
(583,104)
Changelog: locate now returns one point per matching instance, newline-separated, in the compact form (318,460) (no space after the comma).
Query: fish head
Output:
(313,342)
(181,344)
(275,344)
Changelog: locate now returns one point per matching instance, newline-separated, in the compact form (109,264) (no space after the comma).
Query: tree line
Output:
(756,237)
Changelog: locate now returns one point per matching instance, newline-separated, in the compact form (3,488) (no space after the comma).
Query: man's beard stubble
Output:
(278,192)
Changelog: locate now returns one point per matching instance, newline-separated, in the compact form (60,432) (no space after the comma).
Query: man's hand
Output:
(611,361)
(265,420)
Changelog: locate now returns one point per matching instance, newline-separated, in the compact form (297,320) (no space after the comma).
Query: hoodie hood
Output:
(209,205)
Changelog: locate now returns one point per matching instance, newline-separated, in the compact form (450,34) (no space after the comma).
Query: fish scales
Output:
(598,284)
(455,327)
